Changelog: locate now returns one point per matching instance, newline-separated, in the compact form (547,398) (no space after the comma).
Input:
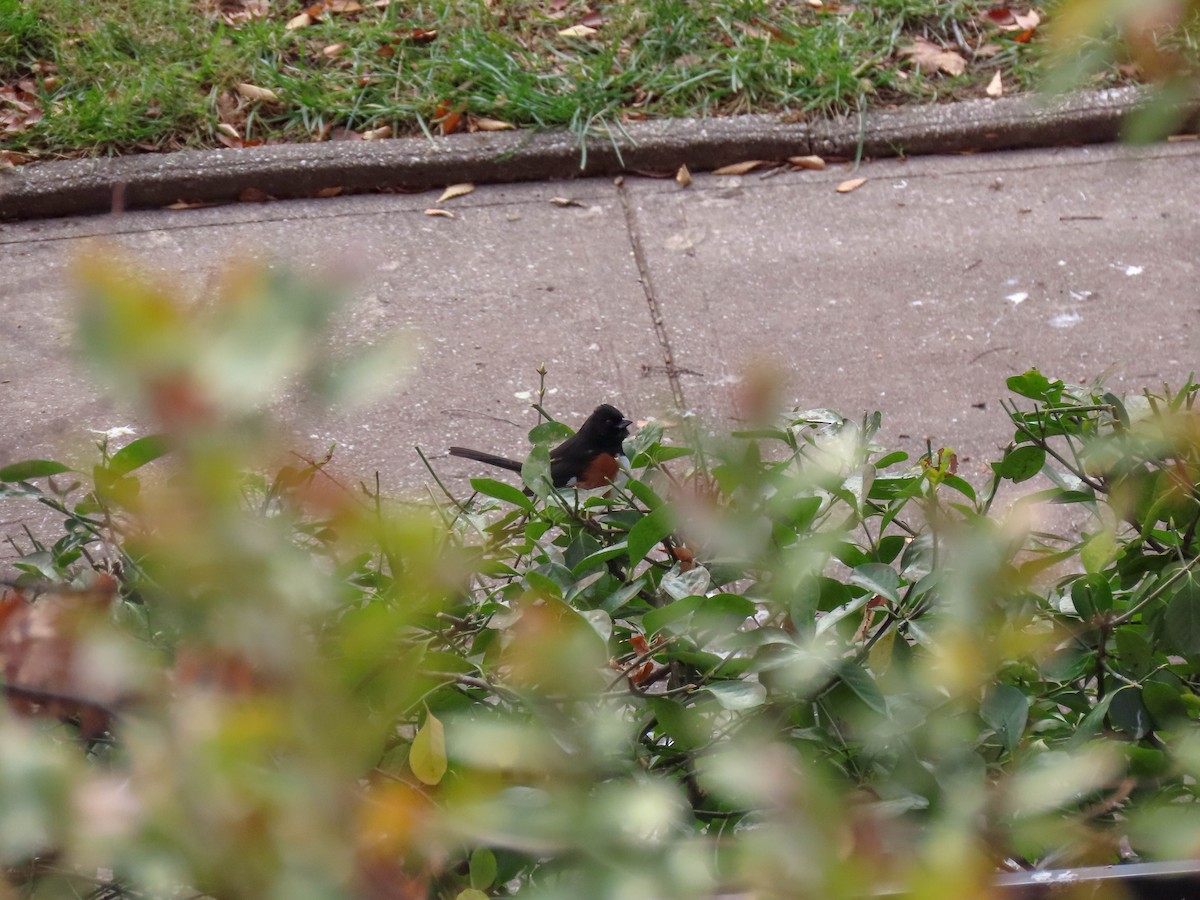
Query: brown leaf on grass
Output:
(740,168)
(852,185)
(456,190)
(483,123)
(254,92)
(332,50)
(987,51)
(19,108)
(447,117)
(932,58)
(421,35)
(807,162)
(41,649)
(577,31)
(995,87)
(295,23)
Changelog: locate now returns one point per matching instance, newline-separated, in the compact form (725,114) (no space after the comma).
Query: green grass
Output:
(128,75)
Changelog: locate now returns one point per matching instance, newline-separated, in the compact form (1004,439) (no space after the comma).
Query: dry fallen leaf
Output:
(441,213)
(253,195)
(995,87)
(456,190)
(254,92)
(577,31)
(296,22)
(377,134)
(739,168)
(852,185)
(932,58)
(483,123)
(326,192)
(683,176)
(1027,21)
(229,131)
(807,162)
(332,50)
(566,201)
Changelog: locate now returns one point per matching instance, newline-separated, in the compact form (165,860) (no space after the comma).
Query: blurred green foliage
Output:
(783,661)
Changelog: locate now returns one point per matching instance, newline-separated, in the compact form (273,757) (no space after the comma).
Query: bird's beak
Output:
(625,423)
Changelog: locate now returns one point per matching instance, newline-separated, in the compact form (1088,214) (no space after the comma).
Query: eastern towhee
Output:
(587,459)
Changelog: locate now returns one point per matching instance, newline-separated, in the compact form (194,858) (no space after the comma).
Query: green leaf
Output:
(1021,464)
(878,579)
(137,453)
(1098,551)
(482,868)
(1165,703)
(644,493)
(598,558)
(1092,722)
(860,681)
(490,487)
(535,471)
(549,433)
(1182,618)
(648,531)
(684,725)
(427,758)
(1006,711)
(32,468)
(1133,653)
(724,610)
(738,694)
(471,894)
(1036,386)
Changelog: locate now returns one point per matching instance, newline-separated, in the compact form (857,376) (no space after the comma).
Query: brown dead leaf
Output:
(377,134)
(740,168)
(295,23)
(40,646)
(253,195)
(229,131)
(326,192)
(932,58)
(422,35)
(995,87)
(447,117)
(441,213)
(593,19)
(852,185)
(254,92)
(807,162)
(483,123)
(577,31)
(332,50)
(566,201)
(683,176)
(987,51)
(456,190)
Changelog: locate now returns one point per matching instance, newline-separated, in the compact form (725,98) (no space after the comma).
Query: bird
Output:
(588,459)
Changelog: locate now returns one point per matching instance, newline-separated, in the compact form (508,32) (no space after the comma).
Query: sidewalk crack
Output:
(660,328)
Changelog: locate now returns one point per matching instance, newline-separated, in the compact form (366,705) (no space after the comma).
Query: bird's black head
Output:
(607,427)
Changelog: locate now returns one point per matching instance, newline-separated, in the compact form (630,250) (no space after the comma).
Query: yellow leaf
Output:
(852,185)
(254,92)
(427,758)
(739,168)
(456,190)
(683,176)
(229,131)
(485,124)
(577,31)
(995,87)
(807,162)
(879,657)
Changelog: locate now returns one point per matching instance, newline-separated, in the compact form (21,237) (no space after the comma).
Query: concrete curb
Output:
(78,187)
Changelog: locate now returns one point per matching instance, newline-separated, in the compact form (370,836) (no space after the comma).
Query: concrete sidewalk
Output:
(916,294)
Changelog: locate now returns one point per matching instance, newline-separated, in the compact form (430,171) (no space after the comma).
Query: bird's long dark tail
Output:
(491,459)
